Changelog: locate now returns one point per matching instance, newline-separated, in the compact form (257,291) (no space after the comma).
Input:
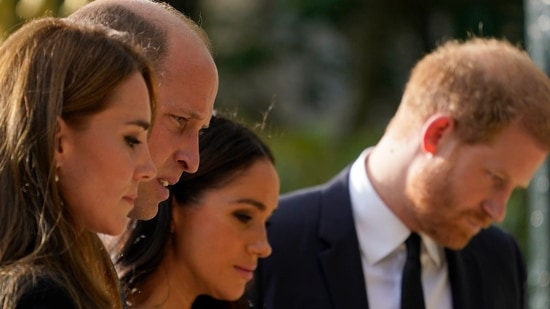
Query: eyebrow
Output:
(140,123)
(196,116)
(252,202)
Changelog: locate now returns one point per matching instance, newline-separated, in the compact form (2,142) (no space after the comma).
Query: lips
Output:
(166,181)
(474,225)
(161,185)
(131,200)
(246,272)
(161,189)
(477,224)
(131,197)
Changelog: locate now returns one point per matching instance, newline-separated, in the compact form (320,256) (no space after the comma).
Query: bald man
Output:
(188,84)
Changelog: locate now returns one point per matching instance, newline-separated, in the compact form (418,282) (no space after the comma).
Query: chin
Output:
(144,212)
(458,242)
(230,295)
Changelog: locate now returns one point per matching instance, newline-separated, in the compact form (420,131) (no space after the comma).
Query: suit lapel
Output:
(466,280)
(340,259)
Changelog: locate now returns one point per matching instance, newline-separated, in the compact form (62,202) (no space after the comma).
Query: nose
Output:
(260,246)
(187,154)
(496,206)
(145,169)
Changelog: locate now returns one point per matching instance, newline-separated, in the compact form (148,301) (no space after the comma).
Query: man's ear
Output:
(435,128)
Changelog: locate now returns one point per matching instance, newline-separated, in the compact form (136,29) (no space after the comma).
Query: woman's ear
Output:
(60,138)
(435,128)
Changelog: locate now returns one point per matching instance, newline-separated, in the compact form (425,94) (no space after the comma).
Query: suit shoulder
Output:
(493,237)
(296,209)
(495,246)
(305,198)
(301,195)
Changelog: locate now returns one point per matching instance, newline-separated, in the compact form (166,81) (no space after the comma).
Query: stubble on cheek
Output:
(435,205)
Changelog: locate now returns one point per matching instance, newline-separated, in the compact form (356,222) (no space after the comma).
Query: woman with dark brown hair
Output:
(202,248)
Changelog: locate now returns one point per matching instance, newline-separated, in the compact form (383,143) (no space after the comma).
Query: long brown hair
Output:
(53,68)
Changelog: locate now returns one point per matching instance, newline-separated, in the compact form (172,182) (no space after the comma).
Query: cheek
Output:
(429,187)
(91,193)
(199,236)
(77,181)
(418,185)
(158,142)
(469,187)
(166,146)
(205,253)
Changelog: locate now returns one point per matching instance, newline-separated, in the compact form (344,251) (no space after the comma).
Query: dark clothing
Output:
(207,302)
(46,294)
(316,264)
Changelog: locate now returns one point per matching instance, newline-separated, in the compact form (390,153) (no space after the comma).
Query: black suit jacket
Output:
(316,263)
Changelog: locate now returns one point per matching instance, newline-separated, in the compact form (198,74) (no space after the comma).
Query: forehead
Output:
(188,80)
(259,182)
(255,185)
(130,97)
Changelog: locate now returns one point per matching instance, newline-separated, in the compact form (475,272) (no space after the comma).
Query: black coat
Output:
(315,263)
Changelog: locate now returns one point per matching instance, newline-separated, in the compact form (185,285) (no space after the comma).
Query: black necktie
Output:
(411,284)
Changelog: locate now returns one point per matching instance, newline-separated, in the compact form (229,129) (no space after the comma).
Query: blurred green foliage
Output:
(307,158)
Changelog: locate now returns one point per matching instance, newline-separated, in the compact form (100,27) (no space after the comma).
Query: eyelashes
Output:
(498,182)
(181,121)
(132,141)
(244,218)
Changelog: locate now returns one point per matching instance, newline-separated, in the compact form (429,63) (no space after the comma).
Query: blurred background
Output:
(321,79)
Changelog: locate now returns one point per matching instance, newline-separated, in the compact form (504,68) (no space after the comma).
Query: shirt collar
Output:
(379,230)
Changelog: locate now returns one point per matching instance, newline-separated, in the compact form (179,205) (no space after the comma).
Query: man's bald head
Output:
(150,23)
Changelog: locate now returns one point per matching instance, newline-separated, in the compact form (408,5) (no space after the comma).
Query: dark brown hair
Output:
(226,149)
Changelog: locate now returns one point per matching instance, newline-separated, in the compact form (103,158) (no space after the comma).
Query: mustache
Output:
(480,218)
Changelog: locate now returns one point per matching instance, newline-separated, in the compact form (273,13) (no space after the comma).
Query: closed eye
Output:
(132,141)
(180,120)
(244,218)
(498,181)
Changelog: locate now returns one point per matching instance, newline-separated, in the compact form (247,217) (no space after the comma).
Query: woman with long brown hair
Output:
(76,103)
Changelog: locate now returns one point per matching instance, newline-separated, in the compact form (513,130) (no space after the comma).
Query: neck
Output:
(160,290)
(387,167)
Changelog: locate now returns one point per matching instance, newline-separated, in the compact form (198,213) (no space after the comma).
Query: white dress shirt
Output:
(381,243)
